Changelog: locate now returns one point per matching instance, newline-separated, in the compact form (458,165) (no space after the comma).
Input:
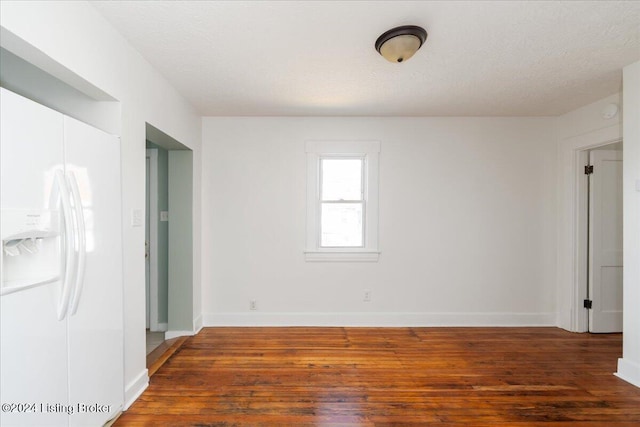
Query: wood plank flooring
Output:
(162,353)
(389,377)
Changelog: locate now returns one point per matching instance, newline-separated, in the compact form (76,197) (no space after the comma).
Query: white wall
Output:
(79,45)
(588,118)
(467,224)
(629,364)
(26,79)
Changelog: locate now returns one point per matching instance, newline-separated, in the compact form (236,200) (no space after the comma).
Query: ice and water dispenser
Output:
(30,248)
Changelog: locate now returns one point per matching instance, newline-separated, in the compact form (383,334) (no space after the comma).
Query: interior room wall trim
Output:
(198,323)
(134,389)
(380,319)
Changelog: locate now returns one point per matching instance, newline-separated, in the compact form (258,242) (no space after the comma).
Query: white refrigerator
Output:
(61,338)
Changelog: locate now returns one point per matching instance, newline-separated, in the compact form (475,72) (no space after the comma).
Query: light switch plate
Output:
(164,216)
(136,218)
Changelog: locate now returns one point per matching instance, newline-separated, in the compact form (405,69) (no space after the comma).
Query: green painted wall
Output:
(181,237)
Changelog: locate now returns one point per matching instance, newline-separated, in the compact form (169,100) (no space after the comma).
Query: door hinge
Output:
(588,170)
(588,303)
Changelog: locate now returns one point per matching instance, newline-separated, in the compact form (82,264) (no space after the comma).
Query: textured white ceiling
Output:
(496,58)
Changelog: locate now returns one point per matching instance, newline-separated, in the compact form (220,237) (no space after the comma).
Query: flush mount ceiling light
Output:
(400,43)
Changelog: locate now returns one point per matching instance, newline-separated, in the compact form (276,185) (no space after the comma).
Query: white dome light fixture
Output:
(400,43)
(609,111)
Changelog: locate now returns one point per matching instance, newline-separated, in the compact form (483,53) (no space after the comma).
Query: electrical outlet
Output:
(253,305)
(367,296)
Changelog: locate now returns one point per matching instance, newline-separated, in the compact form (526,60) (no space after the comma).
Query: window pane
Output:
(341,179)
(341,225)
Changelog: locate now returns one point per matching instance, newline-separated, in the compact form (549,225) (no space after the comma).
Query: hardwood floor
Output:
(162,353)
(389,376)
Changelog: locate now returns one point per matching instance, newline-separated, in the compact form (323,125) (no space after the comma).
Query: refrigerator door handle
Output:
(82,242)
(69,266)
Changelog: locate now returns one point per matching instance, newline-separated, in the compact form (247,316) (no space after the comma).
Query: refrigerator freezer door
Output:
(96,329)
(31,151)
(33,359)
(33,344)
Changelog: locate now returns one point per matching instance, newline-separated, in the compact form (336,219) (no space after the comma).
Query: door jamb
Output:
(582,240)
(152,154)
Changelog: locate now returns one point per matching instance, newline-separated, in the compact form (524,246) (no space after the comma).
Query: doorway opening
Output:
(600,238)
(168,239)
(156,242)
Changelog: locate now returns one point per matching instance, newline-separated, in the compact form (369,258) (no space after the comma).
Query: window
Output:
(342,204)
(342,201)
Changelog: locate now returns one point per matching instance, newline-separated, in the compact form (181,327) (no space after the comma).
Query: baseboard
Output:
(380,319)
(629,371)
(197,324)
(175,334)
(163,327)
(135,388)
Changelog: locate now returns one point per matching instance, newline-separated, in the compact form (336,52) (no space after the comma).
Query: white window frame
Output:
(369,151)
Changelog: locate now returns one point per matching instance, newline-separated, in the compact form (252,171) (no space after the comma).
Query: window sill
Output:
(341,256)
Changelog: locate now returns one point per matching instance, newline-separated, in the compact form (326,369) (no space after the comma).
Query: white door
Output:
(605,241)
(33,342)
(96,312)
